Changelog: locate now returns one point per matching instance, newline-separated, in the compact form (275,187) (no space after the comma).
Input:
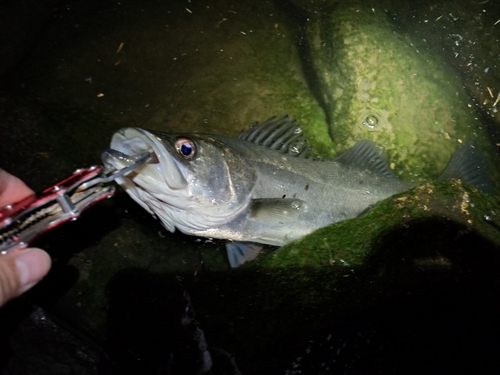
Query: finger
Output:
(20,270)
(12,189)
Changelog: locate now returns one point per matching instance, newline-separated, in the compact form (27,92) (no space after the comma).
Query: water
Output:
(89,68)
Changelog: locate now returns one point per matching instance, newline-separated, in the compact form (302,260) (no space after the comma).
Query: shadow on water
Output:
(432,308)
(151,327)
(426,301)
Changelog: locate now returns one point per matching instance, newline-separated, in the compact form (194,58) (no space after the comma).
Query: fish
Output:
(264,187)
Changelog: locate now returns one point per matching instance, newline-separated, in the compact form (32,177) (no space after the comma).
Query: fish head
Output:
(191,182)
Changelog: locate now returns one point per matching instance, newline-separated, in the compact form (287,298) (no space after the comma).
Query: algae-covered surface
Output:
(450,32)
(377,84)
(414,276)
(346,273)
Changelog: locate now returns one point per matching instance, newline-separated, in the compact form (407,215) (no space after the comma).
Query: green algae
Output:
(449,32)
(261,77)
(376,84)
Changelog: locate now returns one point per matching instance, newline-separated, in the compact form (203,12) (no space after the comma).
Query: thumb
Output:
(20,270)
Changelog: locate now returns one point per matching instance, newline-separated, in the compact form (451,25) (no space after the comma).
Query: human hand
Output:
(19,270)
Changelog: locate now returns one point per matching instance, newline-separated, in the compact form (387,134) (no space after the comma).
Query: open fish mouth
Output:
(161,168)
(154,184)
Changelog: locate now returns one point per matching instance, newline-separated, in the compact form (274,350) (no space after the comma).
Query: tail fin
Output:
(469,165)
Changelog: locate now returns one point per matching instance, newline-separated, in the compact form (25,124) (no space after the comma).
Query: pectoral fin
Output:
(271,219)
(276,209)
(241,252)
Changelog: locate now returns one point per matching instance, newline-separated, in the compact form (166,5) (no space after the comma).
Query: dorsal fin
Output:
(283,135)
(365,155)
(469,165)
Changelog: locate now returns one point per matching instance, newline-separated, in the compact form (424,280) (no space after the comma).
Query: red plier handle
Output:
(22,222)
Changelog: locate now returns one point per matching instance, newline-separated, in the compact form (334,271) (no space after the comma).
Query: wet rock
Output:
(428,247)
(465,36)
(373,82)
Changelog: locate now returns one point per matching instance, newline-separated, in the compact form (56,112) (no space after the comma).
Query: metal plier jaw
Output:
(23,221)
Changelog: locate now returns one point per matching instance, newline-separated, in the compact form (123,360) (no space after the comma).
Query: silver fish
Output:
(262,187)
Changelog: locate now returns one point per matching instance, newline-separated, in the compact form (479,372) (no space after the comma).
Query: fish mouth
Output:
(155,183)
(162,167)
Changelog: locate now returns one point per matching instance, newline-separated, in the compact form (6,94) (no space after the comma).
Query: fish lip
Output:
(133,141)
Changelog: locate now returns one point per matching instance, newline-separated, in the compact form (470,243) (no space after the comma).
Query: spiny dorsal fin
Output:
(282,135)
(469,165)
(365,155)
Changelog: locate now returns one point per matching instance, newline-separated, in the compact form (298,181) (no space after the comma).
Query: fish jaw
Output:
(133,141)
(193,196)
(155,185)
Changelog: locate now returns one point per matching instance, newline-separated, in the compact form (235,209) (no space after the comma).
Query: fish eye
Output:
(185,147)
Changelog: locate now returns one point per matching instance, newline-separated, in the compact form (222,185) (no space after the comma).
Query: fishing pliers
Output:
(23,221)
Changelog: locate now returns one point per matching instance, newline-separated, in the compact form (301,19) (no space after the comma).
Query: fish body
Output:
(258,188)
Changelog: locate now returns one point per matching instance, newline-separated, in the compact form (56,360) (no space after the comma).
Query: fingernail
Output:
(32,265)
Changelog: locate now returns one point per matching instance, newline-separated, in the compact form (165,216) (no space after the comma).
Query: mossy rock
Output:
(376,84)
(415,243)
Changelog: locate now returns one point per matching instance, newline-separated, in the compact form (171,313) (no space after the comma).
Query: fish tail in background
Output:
(469,165)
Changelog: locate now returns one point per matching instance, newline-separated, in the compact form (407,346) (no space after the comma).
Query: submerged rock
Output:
(374,83)
(465,35)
